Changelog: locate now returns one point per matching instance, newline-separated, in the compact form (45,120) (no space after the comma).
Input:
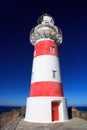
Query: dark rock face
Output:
(73,112)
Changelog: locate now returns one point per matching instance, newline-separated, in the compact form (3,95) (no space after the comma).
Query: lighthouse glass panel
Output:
(52,49)
(48,19)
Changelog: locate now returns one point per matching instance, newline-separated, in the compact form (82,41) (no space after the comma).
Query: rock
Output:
(10,119)
(73,112)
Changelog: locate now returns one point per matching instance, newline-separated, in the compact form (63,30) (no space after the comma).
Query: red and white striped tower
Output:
(46,102)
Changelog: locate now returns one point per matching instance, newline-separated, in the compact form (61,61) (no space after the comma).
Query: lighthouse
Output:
(46,102)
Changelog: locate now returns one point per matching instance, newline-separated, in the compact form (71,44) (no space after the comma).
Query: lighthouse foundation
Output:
(46,109)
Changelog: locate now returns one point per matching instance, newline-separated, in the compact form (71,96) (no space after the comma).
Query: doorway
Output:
(55,111)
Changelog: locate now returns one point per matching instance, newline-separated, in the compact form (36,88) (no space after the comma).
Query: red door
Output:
(55,112)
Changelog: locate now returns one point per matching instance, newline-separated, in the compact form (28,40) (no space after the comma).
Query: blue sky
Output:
(16,21)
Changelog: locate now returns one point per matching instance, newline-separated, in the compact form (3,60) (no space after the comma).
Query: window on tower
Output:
(52,49)
(54,74)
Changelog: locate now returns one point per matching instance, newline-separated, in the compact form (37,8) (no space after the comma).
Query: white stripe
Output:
(43,39)
(43,67)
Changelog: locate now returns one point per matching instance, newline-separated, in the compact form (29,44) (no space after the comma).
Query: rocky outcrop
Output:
(73,112)
(11,119)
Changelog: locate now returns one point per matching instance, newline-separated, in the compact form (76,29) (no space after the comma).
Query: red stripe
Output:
(46,89)
(43,48)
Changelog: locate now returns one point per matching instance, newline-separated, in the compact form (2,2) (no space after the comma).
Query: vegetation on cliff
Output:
(9,118)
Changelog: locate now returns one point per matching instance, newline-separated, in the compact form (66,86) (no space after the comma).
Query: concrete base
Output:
(39,109)
(74,124)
